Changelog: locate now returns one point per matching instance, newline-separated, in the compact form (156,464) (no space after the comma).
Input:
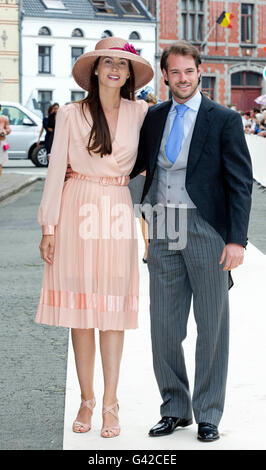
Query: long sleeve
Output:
(48,213)
(140,164)
(238,179)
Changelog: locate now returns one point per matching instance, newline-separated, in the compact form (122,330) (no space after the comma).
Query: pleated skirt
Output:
(93,281)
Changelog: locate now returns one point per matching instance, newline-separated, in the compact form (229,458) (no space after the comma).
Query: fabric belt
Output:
(104,180)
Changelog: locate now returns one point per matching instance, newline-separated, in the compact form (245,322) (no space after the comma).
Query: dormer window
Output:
(129,7)
(54,5)
(102,6)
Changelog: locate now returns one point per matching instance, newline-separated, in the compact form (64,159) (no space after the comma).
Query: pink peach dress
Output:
(94,279)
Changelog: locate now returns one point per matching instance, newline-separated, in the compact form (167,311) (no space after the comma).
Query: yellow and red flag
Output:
(225,19)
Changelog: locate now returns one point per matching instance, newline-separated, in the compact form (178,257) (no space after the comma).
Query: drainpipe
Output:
(20,17)
(156,49)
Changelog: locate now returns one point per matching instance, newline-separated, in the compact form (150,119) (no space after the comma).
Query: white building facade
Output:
(51,45)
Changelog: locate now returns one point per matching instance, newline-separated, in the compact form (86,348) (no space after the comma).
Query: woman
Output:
(44,127)
(136,184)
(50,129)
(91,271)
(4,146)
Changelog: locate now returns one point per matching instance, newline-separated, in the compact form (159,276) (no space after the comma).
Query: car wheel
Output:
(39,156)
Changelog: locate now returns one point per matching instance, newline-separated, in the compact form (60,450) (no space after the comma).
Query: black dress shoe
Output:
(167,425)
(208,432)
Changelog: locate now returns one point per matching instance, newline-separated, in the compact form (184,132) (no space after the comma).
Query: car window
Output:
(14,115)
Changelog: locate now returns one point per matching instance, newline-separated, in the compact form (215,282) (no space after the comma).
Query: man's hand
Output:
(68,172)
(233,255)
(47,248)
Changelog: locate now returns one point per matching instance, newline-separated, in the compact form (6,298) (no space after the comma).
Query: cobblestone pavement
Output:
(33,357)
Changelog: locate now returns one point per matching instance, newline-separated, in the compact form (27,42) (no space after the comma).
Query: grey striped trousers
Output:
(176,275)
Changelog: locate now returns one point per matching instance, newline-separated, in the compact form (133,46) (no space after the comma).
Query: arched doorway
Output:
(245,87)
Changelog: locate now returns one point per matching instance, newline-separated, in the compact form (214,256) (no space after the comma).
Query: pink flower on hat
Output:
(130,48)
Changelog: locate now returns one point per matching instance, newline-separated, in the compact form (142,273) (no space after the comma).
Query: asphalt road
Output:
(33,357)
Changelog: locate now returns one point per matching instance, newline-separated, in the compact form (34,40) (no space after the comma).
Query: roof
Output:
(84,9)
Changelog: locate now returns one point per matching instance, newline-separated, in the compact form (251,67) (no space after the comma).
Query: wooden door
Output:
(245,87)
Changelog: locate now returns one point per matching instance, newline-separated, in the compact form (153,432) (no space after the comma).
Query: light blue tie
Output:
(175,138)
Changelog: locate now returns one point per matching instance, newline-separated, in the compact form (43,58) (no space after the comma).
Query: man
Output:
(194,153)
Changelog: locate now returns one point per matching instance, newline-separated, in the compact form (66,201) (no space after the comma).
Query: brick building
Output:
(233,59)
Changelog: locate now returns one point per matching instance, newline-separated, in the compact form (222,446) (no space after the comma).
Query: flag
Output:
(225,19)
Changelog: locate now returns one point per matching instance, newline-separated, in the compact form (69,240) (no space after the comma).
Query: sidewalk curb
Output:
(20,187)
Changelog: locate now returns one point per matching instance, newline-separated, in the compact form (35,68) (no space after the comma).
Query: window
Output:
(106,34)
(129,8)
(134,35)
(245,79)
(54,5)
(200,5)
(208,86)
(192,16)
(44,59)
(77,33)
(15,115)
(44,31)
(246,22)
(252,79)
(44,100)
(77,95)
(101,6)
(237,79)
(75,53)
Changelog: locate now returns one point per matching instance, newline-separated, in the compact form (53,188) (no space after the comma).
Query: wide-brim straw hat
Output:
(112,47)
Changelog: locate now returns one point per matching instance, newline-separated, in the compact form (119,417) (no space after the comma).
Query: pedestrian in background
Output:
(4,145)
(136,184)
(245,119)
(44,128)
(51,128)
(262,126)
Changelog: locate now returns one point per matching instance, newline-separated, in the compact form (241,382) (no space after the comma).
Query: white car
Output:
(25,130)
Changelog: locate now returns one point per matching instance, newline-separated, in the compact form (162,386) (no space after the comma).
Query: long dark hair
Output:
(100,138)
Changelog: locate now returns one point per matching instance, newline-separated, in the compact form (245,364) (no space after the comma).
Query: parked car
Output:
(25,129)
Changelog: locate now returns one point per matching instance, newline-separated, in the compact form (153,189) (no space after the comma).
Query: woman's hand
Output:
(47,248)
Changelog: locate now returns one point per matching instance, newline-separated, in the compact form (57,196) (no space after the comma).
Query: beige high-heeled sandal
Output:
(78,426)
(113,430)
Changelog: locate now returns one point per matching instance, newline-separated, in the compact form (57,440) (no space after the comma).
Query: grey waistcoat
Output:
(171,178)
